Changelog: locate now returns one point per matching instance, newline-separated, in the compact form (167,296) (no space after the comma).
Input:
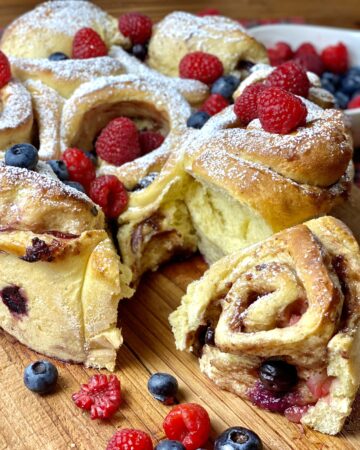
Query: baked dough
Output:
(294,296)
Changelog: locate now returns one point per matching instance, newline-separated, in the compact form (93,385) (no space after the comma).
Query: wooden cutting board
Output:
(31,422)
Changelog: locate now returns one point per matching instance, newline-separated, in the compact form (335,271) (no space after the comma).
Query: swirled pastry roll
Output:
(251,183)
(51,27)
(278,323)
(180,33)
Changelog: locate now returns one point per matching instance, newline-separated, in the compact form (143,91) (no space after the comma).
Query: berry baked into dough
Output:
(278,323)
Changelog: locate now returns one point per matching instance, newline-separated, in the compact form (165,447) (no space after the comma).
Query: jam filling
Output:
(38,251)
(62,235)
(14,299)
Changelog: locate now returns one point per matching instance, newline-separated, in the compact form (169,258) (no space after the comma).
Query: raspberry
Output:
(280,53)
(137,27)
(5,71)
(291,77)
(246,104)
(149,141)
(109,193)
(87,43)
(305,49)
(335,58)
(214,104)
(201,66)
(118,143)
(188,423)
(280,111)
(354,103)
(79,166)
(209,12)
(127,439)
(102,396)
(311,62)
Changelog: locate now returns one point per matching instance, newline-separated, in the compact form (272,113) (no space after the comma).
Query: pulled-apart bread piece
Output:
(250,183)
(61,278)
(278,323)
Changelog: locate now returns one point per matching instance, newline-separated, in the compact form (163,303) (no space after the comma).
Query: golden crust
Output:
(51,26)
(180,33)
(248,297)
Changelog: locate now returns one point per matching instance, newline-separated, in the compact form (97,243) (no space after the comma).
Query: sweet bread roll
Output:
(51,27)
(180,33)
(151,106)
(251,183)
(47,108)
(59,295)
(16,115)
(65,76)
(194,91)
(39,202)
(278,323)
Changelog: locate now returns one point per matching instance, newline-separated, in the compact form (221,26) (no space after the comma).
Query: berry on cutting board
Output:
(130,439)
(201,66)
(163,387)
(188,423)
(41,377)
(24,156)
(108,192)
(101,396)
(167,444)
(88,43)
(198,119)
(137,27)
(80,167)
(238,438)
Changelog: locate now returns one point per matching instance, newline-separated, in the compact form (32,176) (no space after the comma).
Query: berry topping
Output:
(140,51)
(341,99)
(188,423)
(277,375)
(167,444)
(270,400)
(209,12)
(118,143)
(109,193)
(58,56)
(39,250)
(137,27)
(101,395)
(146,181)
(279,111)
(75,185)
(127,439)
(5,70)
(201,66)
(209,336)
(214,104)
(291,77)
(354,103)
(198,119)
(163,387)
(246,104)
(87,43)
(238,438)
(280,53)
(22,155)
(306,48)
(350,83)
(330,81)
(149,141)
(59,168)
(40,377)
(79,166)
(225,86)
(310,62)
(335,58)
(15,300)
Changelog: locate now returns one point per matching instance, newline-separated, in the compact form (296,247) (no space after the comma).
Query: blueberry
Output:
(341,99)
(238,438)
(163,387)
(75,185)
(59,168)
(277,375)
(167,444)
(350,83)
(40,377)
(330,81)
(225,86)
(22,155)
(140,51)
(198,119)
(92,157)
(146,181)
(325,84)
(58,56)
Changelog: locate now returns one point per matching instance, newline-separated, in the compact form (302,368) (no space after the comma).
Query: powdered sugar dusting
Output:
(16,106)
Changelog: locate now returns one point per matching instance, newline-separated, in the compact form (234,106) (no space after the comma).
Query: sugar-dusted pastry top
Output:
(51,26)
(180,33)
(39,202)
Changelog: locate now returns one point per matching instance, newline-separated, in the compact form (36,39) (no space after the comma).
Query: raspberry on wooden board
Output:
(130,439)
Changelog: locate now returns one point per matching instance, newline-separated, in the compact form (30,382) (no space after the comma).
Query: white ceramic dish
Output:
(320,37)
